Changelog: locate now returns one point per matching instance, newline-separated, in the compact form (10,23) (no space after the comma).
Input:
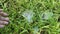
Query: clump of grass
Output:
(18,22)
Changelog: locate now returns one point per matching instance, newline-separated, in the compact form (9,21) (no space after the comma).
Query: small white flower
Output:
(28,14)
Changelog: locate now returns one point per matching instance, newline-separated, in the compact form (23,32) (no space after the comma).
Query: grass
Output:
(19,24)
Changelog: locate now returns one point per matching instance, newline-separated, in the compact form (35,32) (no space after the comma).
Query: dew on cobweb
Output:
(36,29)
(46,15)
(28,14)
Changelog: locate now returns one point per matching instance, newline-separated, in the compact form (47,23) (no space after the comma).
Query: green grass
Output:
(19,24)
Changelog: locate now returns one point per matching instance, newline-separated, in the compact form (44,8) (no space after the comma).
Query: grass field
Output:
(31,16)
